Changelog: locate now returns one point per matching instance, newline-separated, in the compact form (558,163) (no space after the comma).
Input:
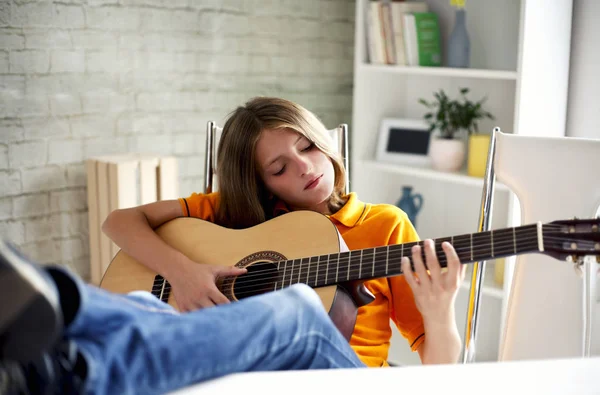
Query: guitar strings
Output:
(505,235)
(297,265)
(323,272)
(258,276)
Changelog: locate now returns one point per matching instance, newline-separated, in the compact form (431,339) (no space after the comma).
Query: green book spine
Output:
(428,39)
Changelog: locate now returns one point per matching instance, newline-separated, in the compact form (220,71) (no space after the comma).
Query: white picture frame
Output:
(394,130)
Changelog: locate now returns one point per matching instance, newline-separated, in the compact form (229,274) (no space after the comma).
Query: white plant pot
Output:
(447,155)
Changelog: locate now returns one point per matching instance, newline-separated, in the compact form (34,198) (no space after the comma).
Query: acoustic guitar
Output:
(305,247)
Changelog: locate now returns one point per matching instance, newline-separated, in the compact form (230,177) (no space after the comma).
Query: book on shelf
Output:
(422,39)
(376,47)
(386,32)
(399,9)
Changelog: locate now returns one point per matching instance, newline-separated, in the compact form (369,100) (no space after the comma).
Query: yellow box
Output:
(499,272)
(478,152)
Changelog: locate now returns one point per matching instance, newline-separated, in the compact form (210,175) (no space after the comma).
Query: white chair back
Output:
(550,308)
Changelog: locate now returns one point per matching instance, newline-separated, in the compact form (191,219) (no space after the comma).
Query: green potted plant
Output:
(451,120)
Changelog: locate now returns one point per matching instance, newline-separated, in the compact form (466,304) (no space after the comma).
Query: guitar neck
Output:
(324,270)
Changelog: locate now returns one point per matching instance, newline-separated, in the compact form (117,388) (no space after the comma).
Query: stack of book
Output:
(402,33)
(123,181)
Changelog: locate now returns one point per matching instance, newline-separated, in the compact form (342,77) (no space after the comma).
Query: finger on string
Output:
(453,262)
(420,267)
(234,271)
(433,264)
(409,275)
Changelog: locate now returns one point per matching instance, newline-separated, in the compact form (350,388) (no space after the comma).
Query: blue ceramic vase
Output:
(410,203)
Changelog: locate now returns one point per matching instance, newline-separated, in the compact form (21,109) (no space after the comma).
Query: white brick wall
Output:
(81,78)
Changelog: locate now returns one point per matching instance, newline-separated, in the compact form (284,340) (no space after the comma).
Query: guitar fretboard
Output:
(161,288)
(324,270)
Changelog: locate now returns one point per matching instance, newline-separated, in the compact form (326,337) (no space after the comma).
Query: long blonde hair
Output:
(244,198)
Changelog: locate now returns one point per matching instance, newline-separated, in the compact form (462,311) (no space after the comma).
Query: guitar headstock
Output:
(572,239)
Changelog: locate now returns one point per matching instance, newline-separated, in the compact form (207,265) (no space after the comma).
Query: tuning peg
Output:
(577,264)
(578,271)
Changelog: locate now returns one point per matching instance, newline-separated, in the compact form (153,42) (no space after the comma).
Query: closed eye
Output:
(280,172)
(311,146)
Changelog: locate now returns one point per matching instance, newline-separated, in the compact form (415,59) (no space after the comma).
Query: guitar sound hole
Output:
(261,278)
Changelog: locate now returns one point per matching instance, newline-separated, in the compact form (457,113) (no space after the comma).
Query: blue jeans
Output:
(138,344)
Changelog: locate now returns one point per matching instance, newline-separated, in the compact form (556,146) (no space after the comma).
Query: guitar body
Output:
(294,235)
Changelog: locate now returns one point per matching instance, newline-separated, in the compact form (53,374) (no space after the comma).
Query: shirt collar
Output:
(349,215)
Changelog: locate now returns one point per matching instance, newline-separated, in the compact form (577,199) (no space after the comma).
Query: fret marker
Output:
(162,291)
(387,259)
(471,245)
(373,271)
(327,268)
(540,237)
(278,265)
(348,268)
(360,264)
(316,275)
(292,272)
(283,278)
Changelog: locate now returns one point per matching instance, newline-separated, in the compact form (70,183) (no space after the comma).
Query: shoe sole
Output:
(30,316)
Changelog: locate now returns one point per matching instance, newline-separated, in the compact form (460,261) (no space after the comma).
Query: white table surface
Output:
(556,376)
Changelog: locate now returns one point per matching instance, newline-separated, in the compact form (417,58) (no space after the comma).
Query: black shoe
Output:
(62,370)
(31,319)
(12,379)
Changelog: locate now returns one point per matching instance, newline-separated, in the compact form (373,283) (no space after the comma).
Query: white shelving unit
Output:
(441,72)
(428,173)
(519,61)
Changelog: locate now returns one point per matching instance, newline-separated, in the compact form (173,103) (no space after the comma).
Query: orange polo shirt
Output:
(362,225)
